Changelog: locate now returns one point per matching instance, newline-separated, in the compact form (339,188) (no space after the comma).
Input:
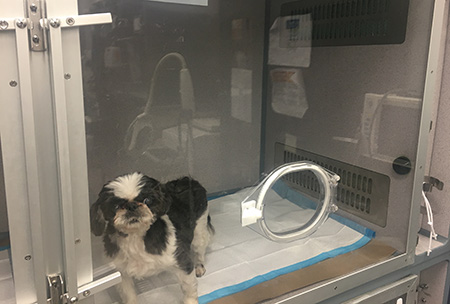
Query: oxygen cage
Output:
(317,128)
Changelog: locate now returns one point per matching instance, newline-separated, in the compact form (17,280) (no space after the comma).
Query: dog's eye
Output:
(146,201)
(116,207)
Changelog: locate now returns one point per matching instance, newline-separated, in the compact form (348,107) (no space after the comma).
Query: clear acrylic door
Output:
(6,278)
(172,89)
(226,90)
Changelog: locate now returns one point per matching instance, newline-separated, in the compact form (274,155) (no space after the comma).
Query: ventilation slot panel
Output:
(352,22)
(361,192)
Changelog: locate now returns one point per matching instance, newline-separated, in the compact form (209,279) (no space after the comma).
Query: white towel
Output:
(239,258)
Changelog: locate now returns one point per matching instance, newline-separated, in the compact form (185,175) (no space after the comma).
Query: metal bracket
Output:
(38,25)
(56,289)
(429,182)
(37,33)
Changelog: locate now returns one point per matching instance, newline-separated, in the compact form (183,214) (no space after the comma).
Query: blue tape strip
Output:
(229,290)
(286,192)
(4,248)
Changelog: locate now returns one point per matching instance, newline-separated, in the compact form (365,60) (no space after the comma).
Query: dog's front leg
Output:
(188,284)
(126,290)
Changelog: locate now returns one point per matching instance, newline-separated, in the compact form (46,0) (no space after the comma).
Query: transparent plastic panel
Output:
(172,90)
(361,89)
(283,220)
(225,94)
(6,277)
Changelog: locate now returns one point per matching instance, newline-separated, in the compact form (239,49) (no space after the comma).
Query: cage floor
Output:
(240,261)
(7,295)
(244,267)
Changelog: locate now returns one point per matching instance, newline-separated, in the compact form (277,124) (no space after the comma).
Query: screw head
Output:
(55,22)
(27,257)
(67,76)
(35,39)
(21,23)
(13,83)
(334,208)
(70,21)
(33,7)
(3,24)
(86,293)
(73,300)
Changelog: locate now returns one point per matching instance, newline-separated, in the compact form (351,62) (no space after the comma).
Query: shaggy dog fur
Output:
(149,227)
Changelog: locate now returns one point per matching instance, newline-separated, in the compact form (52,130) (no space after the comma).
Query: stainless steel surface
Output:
(38,34)
(430,97)
(21,23)
(37,229)
(3,24)
(391,292)
(99,285)
(70,21)
(31,158)
(56,290)
(55,22)
(64,155)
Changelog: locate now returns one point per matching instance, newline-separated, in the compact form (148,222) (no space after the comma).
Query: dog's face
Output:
(130,204)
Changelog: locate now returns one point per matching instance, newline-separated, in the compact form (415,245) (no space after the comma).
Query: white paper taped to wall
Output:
(288,92)
(290,41)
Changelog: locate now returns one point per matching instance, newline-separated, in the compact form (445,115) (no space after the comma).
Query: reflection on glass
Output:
(174,90)
(7,283)
(169,91)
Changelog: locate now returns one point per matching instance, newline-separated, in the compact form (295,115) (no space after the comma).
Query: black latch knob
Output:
(402,165)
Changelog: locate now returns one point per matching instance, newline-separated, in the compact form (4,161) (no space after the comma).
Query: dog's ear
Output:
(98,223)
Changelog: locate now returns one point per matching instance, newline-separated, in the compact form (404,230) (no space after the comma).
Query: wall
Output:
(335,85)
(440,150)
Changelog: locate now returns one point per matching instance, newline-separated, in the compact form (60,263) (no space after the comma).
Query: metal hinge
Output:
(37,33)
(38,25)
(56,291)
(429,182)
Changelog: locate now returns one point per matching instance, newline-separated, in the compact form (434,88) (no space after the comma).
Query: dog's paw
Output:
(199,270)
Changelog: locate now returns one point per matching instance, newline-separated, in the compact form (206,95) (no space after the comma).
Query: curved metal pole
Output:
(183,65)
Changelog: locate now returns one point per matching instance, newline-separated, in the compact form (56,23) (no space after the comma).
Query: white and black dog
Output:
(149,227)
